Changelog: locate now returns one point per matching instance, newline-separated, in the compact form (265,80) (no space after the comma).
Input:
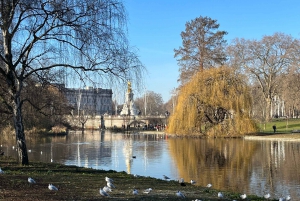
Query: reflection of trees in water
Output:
(218,161)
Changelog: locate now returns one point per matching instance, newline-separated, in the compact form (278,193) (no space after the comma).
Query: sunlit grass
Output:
(282,125)
(76,183)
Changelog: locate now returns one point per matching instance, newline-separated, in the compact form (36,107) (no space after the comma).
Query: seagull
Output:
(109,180)
(165,177)
(197,200)
(220,195)
(103,193)
(244,196)
(31,181)
(267,196)
(1,171)
(193,182)
(52,188)
(110,185)
(148,190)
(179,194)
(288,197)
(209,185)
(135,192)
(107,189)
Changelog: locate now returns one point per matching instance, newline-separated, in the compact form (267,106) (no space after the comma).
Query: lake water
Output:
(244,166)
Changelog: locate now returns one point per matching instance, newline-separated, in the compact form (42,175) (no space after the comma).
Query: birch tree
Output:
(40,36)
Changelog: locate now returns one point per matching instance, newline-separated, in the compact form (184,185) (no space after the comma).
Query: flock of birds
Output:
(110,185)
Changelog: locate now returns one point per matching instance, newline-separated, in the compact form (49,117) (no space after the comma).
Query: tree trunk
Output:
(268,109)
(20,135)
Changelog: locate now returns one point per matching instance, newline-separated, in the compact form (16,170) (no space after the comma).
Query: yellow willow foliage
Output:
(216,102)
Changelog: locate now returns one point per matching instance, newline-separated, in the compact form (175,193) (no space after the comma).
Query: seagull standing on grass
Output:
(165,177)
(267,196)
(243,197)
(110,185)
(135,192)
(103,193)
(52,188)
(107,189)
(148,190)
(31,181)
(220,195)
(179,194)
(109,180)
(193,182)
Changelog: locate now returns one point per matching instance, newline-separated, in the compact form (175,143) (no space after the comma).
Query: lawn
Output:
(282,126)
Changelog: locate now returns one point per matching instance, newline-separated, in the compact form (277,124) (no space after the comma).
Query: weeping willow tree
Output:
(216,102)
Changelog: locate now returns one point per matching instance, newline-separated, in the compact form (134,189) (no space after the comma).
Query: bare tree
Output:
(43,36)
(202,47)
(154,104)
(265,60)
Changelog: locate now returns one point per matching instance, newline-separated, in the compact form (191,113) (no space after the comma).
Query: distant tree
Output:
(215,102)
(153,103)
(42,37)
(264,61)
(202,47)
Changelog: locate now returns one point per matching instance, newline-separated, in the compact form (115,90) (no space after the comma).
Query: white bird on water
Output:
(31,181)
(52,188)
(135,192)
(244,196)
(180,194)
(220,195)
(103,193)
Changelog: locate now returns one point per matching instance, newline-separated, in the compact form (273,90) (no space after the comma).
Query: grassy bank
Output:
(284,126)
(75,183)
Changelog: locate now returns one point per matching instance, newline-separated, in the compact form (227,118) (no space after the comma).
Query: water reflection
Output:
(252,167)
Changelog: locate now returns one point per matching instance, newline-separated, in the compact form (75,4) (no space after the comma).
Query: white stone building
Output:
(93,101)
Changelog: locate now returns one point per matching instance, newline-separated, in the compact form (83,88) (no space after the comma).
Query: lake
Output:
(244,166)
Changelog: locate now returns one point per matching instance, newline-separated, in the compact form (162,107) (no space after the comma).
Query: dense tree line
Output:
(270,67)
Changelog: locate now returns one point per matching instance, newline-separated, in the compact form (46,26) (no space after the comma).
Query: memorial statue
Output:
(129,87)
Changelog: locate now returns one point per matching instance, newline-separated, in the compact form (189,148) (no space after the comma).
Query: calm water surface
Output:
(244,166)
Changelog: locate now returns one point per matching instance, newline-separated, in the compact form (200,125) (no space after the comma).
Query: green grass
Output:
(76,183)
(282,126)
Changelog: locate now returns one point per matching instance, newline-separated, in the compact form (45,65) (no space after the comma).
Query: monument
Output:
(129,108)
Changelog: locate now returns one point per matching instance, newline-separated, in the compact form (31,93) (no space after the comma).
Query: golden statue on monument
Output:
(129,87)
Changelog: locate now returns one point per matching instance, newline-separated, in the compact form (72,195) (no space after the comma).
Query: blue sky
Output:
(154,28)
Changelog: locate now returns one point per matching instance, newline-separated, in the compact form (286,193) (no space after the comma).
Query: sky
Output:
(154,28)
